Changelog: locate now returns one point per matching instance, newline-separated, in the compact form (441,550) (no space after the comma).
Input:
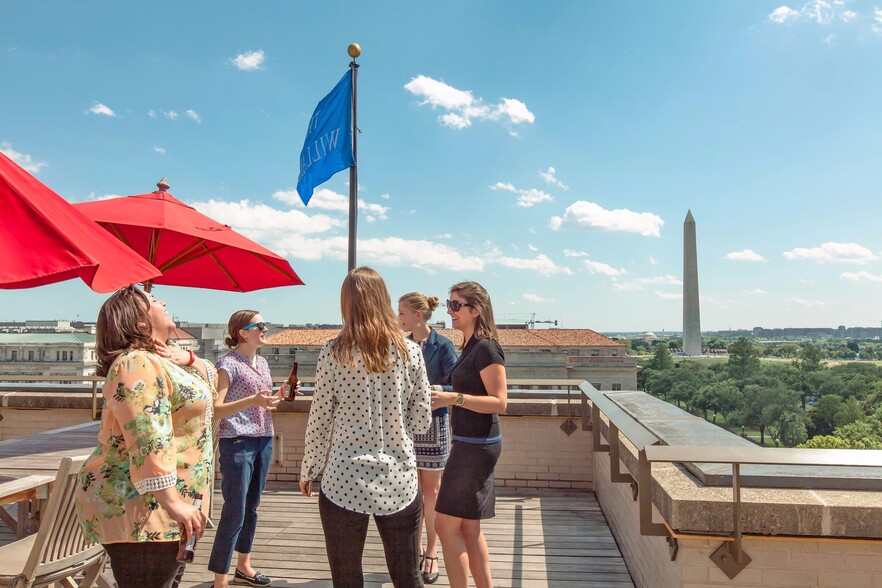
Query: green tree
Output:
(743,362)
(661,358)
(765,406)
(791,429)
(823,417)
(849,412)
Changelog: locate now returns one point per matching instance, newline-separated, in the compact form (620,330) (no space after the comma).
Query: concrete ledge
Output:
(688,506)
(35,400)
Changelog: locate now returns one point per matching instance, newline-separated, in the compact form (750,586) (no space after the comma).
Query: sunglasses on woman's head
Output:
(260,325)
(456,305)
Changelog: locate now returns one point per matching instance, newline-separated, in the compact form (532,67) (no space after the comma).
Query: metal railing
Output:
(730,556)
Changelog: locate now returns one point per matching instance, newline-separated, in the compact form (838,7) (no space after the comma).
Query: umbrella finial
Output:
(163,184)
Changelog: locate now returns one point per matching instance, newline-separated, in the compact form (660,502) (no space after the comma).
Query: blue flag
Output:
(328,145)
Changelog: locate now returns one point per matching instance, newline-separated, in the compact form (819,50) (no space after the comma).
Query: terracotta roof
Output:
(180,333)
(507,337)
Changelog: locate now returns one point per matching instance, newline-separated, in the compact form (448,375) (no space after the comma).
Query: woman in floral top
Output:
(154,449)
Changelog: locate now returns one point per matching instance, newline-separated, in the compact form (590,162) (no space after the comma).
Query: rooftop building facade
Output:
(47,354)
(529,353)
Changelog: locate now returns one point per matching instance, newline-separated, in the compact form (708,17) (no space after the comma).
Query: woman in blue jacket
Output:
(414,313)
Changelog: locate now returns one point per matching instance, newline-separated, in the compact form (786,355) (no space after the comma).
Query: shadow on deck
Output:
(537,539)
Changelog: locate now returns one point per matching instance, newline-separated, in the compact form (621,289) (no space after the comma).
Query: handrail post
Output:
(736,509)
(94,400)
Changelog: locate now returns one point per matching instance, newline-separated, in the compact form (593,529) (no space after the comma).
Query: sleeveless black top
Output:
(466,377)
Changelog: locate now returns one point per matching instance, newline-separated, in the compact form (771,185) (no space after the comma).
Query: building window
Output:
(292,351)
(64,356)
(57,355)
(595,352)
(14,355)
(615,352)
(574,352)
(596,386)
(616,387)
(30,356)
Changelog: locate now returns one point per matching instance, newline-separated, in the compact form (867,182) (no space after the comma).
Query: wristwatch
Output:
(459,399)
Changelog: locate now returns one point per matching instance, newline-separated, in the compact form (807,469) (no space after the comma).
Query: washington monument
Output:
(691,312)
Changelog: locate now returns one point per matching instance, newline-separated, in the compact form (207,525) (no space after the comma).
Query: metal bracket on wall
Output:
(586,420)
(277,448)
(616,475)
(647,526)
(595,432)
(730,556)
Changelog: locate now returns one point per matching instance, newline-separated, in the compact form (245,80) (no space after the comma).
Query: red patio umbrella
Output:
(44,240)
(188,247)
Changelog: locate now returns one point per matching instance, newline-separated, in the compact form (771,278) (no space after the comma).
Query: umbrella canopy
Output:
(188,247)
(46,240)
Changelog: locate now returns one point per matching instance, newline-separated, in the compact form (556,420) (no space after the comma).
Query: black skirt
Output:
(467,488)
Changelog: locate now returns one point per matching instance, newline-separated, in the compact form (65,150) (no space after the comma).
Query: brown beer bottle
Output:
(187,545)
(291,384)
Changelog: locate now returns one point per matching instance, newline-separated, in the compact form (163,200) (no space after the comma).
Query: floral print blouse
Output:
(155,434)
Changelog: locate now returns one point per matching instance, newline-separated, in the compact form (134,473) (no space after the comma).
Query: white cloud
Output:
(669,295)
(805,302)
(596,267)
(249,61)
(159,150)
(193,115)
(571,253)
(862,275)
(877,20)
(151,113)
(170,114)
(744,255)
(822,12)
(326,199)
(757,291)
(101,109)
(530,297)
(591,216)
(22,159)
(532,197)
(385,196)
(652,260)
(804,281)
(532,247)
(665,279)
(550,177)
(833,253)
(503,186)
(463,107)
(782,14)
(541,264)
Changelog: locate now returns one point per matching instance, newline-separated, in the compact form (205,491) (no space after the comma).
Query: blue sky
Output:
(549,150)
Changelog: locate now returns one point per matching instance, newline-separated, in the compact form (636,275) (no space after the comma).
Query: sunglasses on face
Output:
(456,305)
(260,325)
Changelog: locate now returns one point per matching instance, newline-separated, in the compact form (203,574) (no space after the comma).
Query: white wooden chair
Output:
(58,551)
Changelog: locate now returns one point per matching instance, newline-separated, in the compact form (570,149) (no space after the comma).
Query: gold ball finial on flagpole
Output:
(354,50)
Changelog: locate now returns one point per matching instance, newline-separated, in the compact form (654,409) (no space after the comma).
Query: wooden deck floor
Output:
(537,539)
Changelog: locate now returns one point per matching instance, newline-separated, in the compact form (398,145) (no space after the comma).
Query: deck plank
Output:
(537,539)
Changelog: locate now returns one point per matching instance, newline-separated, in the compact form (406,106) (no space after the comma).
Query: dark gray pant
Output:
(345,533)
(149,564)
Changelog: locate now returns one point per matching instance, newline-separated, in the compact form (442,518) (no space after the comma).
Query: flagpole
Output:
(354,51)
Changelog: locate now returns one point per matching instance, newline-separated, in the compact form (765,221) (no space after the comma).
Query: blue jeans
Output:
(244,463)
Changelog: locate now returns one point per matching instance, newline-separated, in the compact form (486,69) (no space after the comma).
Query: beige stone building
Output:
(47,354)
(577,354)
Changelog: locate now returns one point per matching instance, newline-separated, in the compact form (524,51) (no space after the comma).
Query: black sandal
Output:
(431,577)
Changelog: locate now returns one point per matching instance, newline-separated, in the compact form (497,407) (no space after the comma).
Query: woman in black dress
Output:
(479,395)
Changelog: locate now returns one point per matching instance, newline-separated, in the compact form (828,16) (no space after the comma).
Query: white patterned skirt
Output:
(433,447)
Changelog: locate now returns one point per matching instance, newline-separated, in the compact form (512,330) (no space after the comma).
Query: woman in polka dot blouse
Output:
(371,398)
(245,402)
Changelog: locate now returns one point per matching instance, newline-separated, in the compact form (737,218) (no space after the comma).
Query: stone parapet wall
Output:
(536,453)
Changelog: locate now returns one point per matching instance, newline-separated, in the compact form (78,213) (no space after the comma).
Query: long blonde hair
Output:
(369,324)
(476,297)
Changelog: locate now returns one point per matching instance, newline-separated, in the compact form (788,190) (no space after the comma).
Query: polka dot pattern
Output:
(368,421)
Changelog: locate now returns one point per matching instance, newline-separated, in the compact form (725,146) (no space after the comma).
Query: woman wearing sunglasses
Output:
(371,398)
(479,395)
(245,403)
